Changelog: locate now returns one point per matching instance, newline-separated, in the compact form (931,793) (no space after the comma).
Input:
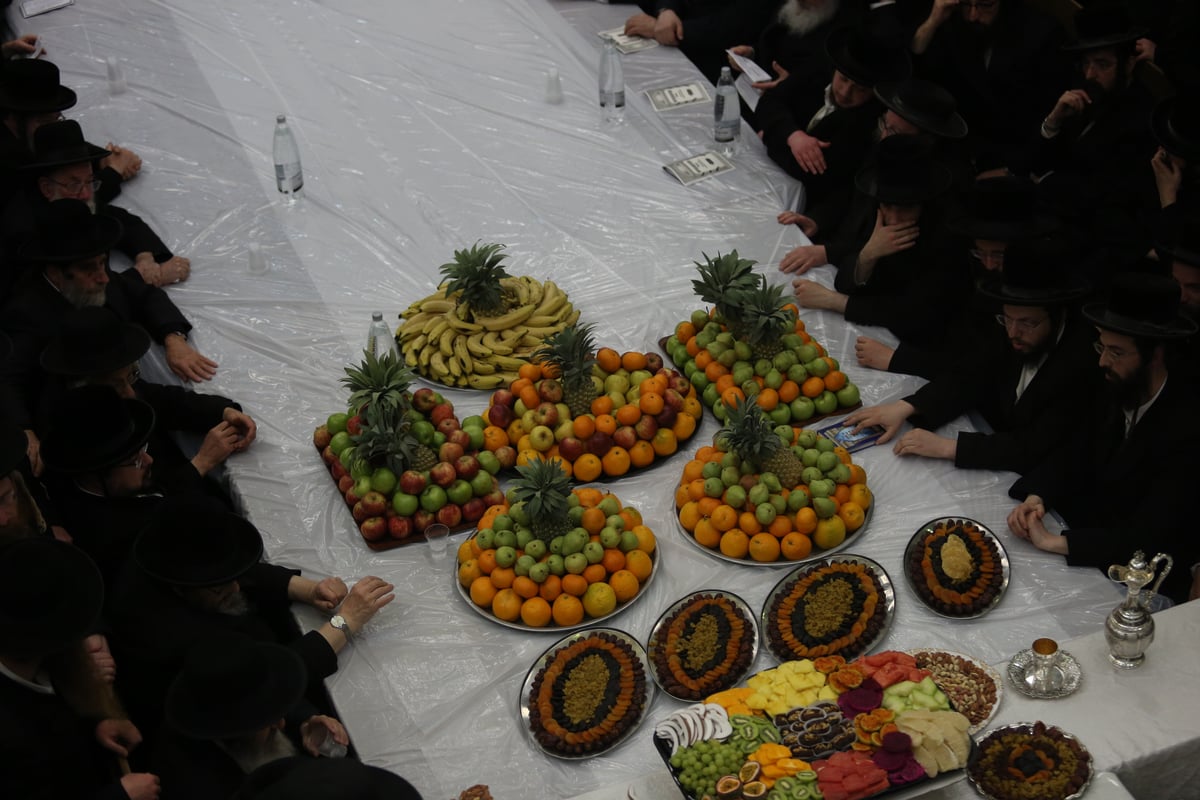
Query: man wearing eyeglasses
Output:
(1026,384)
(1142,429)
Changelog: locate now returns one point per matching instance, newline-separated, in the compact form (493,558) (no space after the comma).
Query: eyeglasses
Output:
(137,461)
(1025,325)
(77,186)
(1116,354)
(994,256)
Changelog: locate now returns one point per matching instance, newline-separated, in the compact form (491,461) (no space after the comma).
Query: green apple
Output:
(824,445)
(502,522)
(807,438)
(742,371)
(797,373)
(406,505)
(779,502)
(730,475)
(780,414)
(848,395)
(629,541)
(610,505)
(765,513)
(536,548)
(423,431)
(818,367)
(340,442)
(609,537)
(506,556)
(735,496)
(539,572)
(796,500)
(523,564)
(802,408)
(711,469)
(487,459)
(714,487)
(827,461)
(575,563)
(773,379)
(761,367)
(506,538)
(555,562)
(593,552)
(810,456)
(486,538)
(743,350)
(524,537)
(336,423)
(615,521)
(825,402)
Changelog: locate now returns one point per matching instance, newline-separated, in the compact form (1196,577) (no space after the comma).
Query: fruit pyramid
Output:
(753,345)
(481,324)
(401,459)
(555,556)
(600,412)
(765,494)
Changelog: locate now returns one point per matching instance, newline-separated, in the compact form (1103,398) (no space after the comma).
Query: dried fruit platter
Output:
(703,643)
(586,694)
(840,605)
(1030,760)
(957,567)
(974,688)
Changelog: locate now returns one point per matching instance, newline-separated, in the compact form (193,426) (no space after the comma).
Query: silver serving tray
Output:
(784,585)
(1022,663)
(545,658)
(1024,728)
(930,527)
(782,562)
(465,594)
(981,666)
(733,678)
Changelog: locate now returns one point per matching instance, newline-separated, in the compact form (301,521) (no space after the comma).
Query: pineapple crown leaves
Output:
(763,312)
(378,380)
(749,433)
(572,350)
(544,487)
(476,274)
(722,278)
(385,437)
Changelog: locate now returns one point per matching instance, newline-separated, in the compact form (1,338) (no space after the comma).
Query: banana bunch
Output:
(442,340)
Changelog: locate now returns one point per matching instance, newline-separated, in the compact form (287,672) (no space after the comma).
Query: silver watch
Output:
(339,622)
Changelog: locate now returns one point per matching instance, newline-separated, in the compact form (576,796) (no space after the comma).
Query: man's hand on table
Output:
(889,416)
(873,354)
(810,294)
(186,361)
(808,225)
(801,259)
(807,150)
(640,25)
(920,442)
(365,600)
(668,28)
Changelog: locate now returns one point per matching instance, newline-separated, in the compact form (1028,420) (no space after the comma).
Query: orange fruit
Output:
(795,546)
(613,560)
(812,387)
(518,385)
(835,380)
(583,426)
(650,403)
(724,382)
(599,599)
(588,495)
(608,359)
(629,414)
(507,605)
(767,399)
(830,533)
(503,577)
(624,584)
(616,461)
(530,371)
(494,437)
(525,587)
(764,547)
(715,370)
(468,571)
(633,360)
(692,470)
(594,572)
(642,454)
(732,395)
(749,523)
(551,588)
(602,405)
(693,347)
(685,330)
(861,496)
(468,550)
(702,359)
(705,533)
(664,442)
(689,515)
(707,505)
(482,592)
(536,612)
(588,467)
(489,517)
(487,561)
(684,427)
(530,397)
(645,537)
(593,520)
(640,564)
(842,453)
(841,493)
(574,585)
(735,543)
(780,526)
(852,515)
(724,517)
(655,383)
(692,406)
(606,423)
(857,475)
(567,610)
(681,492)
(806,520)
(789,391)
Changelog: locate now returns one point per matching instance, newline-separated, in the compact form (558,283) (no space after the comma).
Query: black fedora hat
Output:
(300,778)
(1036,273)
(1176,124)
(866,57)
(904,172)
(1142,305)
(195,541)
(14,444)
(68,231)
(58,144)
(1001,209)
(1185,249)
(33,86)
(50,596)
(93,341)
(1103,25)
(925,104)
(95,428)
(232,686)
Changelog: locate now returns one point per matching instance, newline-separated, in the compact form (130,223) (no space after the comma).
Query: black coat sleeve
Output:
(149,306)
(137,236)
(179,409)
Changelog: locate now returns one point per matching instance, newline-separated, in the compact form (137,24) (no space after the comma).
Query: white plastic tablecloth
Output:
(423,128)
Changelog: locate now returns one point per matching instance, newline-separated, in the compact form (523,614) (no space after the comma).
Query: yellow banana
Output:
(445,342)
(508,363)
(462,355)
(462,326)
(425,357)
(493,381)
(552,296)
(453,364)
(437,364)
(505,321)
(436,327)
(410,358)
(476,346)
(492,341)
(434,305)
(536,291)
(482,367)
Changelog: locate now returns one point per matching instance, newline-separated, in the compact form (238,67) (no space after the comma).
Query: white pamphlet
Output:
(626,43)
(697,168)
(684,94)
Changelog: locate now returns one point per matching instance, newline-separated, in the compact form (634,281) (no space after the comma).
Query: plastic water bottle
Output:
(289,177)
(612,84)
(727,114)
(379,337)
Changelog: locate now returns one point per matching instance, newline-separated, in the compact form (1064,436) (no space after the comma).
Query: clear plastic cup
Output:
(438,537)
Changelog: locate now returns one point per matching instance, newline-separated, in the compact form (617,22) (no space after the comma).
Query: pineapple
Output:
(378,380)
(544,489)
(572,351)
(765,321)
(476,274)
(386,440)
(749,434)
(721,279)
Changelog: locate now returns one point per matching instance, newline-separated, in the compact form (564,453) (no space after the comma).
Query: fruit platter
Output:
(586,694)
(401,458)
(753,345)
(957,567)
(482,324)
(767,495)
(703,643)
(836,606)
(1030,760)
(555,557)
(818,728)
(601,412)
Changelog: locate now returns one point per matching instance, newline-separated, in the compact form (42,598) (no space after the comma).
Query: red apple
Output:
(440,412)
(666,417)
(354,425)
(654,362)
(373,529)
(450,452)
(351,498)
(646,427)
(571,448)
(443,474)
(503,397)
(328,456)
(338,470)
(494,498)
(460,438)
(466,466)
(400,527)
(424,399)
(625,436)
(448,425)
(550,389)
(322,437)
(500,416)
(421,520)
(506,455)
(599,443)
(412,482)
(345,483)
(473,509)
(375,504)
(359,512)
(449,515)
(546,414)
(748,482)
(673,399)
(679,383)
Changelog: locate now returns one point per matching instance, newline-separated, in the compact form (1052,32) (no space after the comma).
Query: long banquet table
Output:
(423,128)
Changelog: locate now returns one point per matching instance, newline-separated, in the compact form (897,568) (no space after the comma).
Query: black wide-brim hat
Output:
(1001,209)
(1176,125)
(14,444)
(1102,25)
(67,231)
(195,541)
(93,341)
(33,86)
(1185,248)
(904,172)
(233,686)
(1144,306)
(867,58)
(58,144)
(926,105)
(51,594)
(94,428)
(1035,273)
(300,778)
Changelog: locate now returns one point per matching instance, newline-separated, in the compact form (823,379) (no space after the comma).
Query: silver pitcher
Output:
(1129,629)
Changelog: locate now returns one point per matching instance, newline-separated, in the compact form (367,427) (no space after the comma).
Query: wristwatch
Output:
(339,622)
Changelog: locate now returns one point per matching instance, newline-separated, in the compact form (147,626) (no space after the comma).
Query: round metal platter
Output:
(930,527)
(785,584)
(1026,729)
(749,562)
(986,669)
(465,594)
(523,701)
(731,679)
(1022,663)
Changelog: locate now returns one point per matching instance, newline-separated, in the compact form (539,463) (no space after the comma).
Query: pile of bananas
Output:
(443,341)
